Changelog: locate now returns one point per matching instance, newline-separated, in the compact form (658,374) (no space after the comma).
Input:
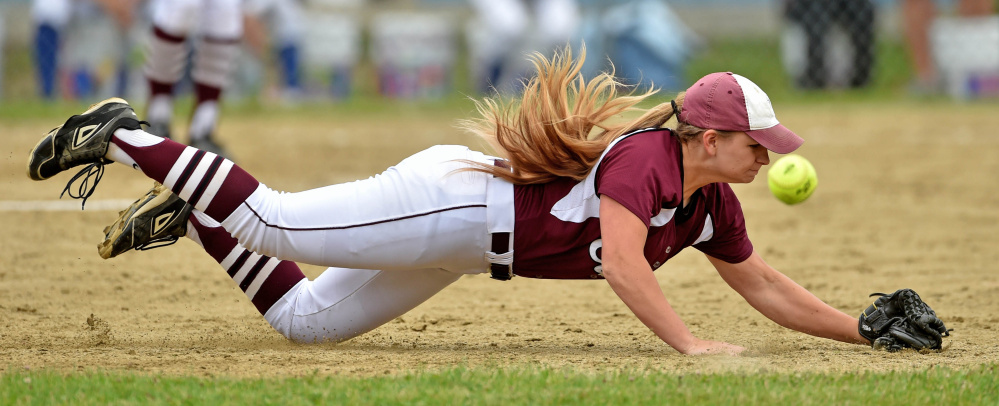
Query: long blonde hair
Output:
(562,123)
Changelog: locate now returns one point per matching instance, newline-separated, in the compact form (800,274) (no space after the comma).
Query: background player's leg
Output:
(344,303)
(287,35)
(50,18)
(263,279)
(505,23)
(166,57)
(215,56)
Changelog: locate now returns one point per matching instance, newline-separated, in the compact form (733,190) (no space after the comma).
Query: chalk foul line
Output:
(62,205)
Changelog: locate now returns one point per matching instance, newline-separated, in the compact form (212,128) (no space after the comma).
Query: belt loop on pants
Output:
(500,220)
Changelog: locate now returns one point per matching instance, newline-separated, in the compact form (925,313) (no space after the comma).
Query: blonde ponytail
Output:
(562,123)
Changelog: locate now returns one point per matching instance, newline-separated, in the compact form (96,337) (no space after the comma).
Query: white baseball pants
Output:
(393,240)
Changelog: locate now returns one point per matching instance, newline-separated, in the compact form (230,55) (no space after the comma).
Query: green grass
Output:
(461,385)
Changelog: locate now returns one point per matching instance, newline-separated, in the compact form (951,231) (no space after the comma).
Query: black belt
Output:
(501,244)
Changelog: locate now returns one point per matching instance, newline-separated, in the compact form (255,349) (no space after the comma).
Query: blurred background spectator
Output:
(918,17)
(503,32)
(95,53)
(648,43)
(413,52)
(316,50)
(274,31)
(215,31)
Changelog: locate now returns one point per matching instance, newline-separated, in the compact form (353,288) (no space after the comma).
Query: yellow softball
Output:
(792,179)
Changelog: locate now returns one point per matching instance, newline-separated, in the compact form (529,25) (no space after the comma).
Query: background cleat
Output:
(157,219)
(83,139)
(159,128)
(208,144)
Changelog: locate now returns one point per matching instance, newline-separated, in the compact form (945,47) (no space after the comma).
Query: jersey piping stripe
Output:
(470,206)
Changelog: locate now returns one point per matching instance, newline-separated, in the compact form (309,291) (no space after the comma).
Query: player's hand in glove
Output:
(902,320)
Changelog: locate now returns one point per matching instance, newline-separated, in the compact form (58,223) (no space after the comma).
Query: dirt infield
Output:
(907,197)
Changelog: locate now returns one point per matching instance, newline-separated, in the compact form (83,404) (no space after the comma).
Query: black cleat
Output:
(156,220)
(83,139)
(159,128)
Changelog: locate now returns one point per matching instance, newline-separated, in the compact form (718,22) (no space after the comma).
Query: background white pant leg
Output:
(222,19)
(412,216)
(344,303)
(53,12)
(177,17)
(557,22)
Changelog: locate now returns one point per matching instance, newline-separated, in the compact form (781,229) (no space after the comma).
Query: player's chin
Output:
(742,177)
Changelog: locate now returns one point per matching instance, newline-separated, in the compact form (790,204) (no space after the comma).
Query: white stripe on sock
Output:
(197,176)
(115,153)
(251,290)
(247,266)
(213,186)
(137,138)
(192,233)
(205,220)
(179,166)
(233,255)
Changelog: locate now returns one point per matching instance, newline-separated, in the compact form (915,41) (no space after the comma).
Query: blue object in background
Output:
(637,65)
(46,54)
(340,82)
(83,83)
(288,57)
(649,44)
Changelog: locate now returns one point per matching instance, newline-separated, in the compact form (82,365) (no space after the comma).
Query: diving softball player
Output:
(555,204)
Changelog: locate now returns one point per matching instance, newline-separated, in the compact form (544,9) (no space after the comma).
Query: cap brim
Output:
(777,139)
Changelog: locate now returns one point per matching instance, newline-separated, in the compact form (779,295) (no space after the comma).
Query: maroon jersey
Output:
(557,230)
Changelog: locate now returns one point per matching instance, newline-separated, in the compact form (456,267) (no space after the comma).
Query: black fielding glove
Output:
(901,320)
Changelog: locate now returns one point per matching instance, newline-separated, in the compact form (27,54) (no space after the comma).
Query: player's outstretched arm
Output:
(785,302)
(629,274)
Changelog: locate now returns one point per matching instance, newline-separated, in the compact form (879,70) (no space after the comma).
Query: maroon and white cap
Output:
(729,102)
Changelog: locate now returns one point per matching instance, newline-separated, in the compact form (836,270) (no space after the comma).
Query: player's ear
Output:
(709,140)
